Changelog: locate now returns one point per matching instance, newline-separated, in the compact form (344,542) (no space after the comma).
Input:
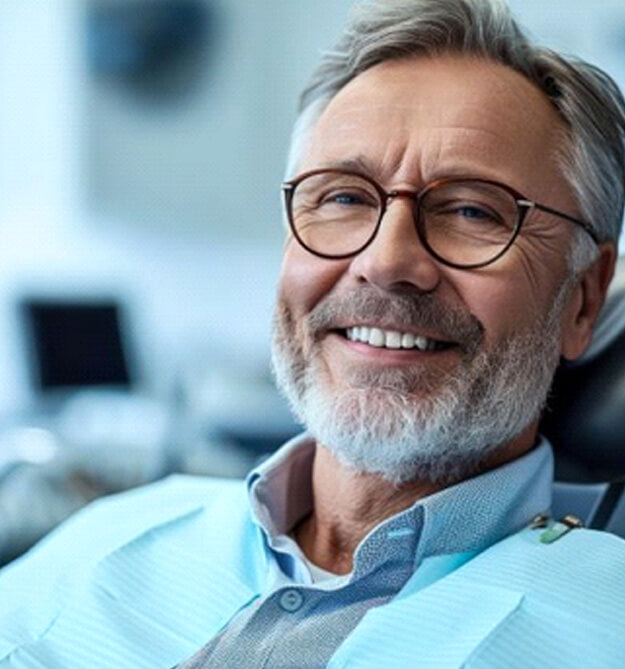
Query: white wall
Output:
(211,163)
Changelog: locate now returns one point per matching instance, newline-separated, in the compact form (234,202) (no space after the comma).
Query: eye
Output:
(474,212)
(471,213)
(348,198)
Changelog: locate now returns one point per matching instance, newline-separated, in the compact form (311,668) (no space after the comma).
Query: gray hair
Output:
(592,155)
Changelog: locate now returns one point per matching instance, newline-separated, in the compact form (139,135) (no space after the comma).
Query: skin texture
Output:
(405,123)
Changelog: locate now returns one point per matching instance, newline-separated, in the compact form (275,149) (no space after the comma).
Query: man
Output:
(454,197)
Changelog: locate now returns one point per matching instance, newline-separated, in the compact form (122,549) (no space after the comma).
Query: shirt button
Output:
(291,600)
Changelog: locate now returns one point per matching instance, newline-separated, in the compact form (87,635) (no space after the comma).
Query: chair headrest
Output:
(585,414)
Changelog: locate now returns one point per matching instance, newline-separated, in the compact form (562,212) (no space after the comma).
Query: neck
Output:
(348,504)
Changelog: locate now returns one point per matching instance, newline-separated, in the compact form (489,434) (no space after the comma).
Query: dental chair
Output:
(585,422)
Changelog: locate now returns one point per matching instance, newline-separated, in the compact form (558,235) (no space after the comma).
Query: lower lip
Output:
(392,355)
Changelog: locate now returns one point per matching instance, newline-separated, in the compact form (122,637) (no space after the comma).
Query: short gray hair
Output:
(593,153)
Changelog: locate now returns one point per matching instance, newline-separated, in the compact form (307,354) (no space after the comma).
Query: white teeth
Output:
(376,337)
(393,340)
(389,338)
(407,340)
(421,343)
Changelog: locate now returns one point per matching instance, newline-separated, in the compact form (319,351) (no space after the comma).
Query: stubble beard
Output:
(414,424)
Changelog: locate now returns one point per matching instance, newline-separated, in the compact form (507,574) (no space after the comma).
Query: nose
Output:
(396,258)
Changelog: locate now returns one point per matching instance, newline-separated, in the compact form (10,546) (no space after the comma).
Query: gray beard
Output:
(411,424)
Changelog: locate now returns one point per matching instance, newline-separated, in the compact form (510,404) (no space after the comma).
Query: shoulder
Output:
(151,542)
(566,597)
(583,543)
(77,545)
(587,554)
(581,574)
(113,520)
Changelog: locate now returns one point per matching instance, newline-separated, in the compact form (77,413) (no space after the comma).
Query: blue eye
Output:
(474,213)
(345,198)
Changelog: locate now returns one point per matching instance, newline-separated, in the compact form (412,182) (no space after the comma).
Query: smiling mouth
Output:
(393,339)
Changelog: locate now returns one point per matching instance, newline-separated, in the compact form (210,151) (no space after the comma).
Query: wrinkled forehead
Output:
(416,118)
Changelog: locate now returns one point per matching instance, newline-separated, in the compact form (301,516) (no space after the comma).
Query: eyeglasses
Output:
(462,222)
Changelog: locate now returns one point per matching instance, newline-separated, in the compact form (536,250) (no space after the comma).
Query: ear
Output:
(585,301)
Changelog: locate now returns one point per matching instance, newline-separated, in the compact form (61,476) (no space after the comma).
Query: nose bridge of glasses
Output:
(411,196)
(412,199)
(401,193)
(391,195)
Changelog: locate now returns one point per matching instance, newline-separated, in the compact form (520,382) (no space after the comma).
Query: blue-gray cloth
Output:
(297,623)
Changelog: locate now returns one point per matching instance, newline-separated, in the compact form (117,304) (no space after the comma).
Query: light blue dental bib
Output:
(146,578)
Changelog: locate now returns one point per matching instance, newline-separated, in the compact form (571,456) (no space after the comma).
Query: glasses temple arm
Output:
(586,226)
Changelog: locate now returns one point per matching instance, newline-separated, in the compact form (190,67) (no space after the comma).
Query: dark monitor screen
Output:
(77,344)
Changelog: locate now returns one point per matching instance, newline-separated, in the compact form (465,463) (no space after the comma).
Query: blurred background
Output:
(142,145)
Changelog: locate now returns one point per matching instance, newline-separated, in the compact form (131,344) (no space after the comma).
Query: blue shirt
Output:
(299,623)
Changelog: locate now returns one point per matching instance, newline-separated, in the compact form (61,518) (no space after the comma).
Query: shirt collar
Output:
(468,516)
(280,488)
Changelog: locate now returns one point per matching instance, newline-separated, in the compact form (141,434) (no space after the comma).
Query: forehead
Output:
(414,119)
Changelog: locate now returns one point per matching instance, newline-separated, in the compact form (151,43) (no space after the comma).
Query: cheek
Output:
(502,305)
(306,279)
(513,293)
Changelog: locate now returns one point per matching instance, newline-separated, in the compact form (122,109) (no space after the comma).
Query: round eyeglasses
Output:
(462,222)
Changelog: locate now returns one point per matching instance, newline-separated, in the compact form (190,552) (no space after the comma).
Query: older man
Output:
(454,199)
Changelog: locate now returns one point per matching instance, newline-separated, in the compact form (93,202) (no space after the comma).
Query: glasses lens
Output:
(333,213)
(468,222)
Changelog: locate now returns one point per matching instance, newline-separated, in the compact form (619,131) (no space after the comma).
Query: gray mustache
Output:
(414,310)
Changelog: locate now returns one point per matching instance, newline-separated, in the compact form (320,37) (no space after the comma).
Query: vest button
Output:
(291,600)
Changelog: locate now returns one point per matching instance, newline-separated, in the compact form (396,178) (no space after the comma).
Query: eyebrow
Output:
(372,168)
(360,163)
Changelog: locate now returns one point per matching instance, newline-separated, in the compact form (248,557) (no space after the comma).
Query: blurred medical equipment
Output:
(95,426)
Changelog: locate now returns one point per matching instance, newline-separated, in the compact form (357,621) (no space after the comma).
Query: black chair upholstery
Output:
(585,422)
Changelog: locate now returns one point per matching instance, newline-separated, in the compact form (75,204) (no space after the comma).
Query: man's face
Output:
(405,123)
